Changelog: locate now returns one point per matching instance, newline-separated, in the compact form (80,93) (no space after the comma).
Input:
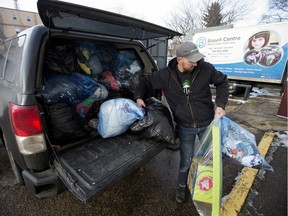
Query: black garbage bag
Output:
(60,57)
(65,124)
(157,123)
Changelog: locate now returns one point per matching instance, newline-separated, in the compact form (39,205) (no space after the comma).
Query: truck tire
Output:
(233,89)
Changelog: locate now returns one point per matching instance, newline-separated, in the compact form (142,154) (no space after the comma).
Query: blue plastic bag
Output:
(116,115)
(70,89)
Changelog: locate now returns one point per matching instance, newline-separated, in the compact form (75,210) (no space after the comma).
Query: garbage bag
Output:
(126,69)
(110,81)
(88,58)
(101,93)
(157,123)
(71,89)
(65,124)
(60,57)
(116,115)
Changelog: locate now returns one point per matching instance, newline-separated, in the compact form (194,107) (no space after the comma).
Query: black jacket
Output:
(195,109)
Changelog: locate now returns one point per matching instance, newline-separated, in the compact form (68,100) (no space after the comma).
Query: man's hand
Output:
(140,103)
(219,112)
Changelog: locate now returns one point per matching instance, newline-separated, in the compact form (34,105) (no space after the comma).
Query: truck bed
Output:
(94,166)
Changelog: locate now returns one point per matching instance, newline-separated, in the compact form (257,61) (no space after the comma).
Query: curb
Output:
(238,194)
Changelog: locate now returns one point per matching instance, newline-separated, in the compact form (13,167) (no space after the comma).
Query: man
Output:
(185,83)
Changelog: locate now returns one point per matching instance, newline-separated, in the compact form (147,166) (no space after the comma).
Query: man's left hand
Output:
(219,111)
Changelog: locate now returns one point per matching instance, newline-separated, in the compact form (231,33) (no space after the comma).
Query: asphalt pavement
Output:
(152,191)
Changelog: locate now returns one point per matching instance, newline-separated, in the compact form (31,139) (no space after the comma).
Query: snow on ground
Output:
(264,92)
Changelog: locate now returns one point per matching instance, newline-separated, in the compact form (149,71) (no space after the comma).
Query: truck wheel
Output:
(233,89)
(15,167)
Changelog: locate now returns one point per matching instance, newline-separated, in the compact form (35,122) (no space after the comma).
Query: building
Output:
(13,21)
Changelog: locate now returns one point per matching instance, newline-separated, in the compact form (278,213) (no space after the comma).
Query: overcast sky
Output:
(154,11)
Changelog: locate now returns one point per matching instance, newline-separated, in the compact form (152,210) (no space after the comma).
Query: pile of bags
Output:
(78,75)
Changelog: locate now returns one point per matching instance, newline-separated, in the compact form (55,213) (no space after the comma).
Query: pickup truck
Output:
(79,40)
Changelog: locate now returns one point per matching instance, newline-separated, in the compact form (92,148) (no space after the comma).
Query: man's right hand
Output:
(140,103)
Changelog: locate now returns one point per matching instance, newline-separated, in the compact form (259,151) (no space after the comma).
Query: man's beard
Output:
(188,71)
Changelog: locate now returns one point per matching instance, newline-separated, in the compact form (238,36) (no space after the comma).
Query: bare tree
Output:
(184,19)
(278,12)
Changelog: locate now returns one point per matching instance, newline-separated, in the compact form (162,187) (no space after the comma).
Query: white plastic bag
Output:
(116,115)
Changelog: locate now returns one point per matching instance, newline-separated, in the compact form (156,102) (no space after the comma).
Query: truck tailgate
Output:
(90,168)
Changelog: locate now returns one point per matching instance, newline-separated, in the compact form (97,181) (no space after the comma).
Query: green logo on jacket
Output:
(186,86)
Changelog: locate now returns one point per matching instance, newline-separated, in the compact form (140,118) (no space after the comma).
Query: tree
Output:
(213,17)
(278,12)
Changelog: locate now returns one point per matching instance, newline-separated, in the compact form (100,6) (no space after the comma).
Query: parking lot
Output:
(152,191)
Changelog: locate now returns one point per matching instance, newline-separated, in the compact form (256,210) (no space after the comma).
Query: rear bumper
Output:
(43,184)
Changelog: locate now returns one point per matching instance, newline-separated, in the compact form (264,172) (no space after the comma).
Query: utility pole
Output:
(16,5)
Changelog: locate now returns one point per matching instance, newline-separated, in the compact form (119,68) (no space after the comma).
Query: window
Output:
(14,16)
(28,18)
(4,47)
(14,59)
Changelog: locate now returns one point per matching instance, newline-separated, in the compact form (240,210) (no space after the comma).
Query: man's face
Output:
(185,65)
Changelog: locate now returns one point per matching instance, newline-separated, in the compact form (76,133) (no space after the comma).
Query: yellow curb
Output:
(237,196)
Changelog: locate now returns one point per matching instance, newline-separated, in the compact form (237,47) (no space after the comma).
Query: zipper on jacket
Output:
(191,110)
(190,107)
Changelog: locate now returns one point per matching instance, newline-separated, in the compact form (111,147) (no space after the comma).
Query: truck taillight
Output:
(25,120)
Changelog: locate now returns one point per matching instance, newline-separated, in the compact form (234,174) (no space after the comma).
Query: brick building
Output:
(13,21)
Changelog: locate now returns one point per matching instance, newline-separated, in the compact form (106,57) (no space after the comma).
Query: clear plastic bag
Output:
(223,137)
(205,174)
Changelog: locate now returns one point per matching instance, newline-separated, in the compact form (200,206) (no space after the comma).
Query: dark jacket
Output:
(195,109)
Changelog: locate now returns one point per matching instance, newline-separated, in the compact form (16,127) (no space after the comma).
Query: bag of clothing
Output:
(223,137)
(65,124)
(101,93)
(239,145)
(157,123)
(88,58)
(116,115)
(71,89)
(60,57)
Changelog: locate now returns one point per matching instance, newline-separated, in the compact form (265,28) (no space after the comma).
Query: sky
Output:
(154,11)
